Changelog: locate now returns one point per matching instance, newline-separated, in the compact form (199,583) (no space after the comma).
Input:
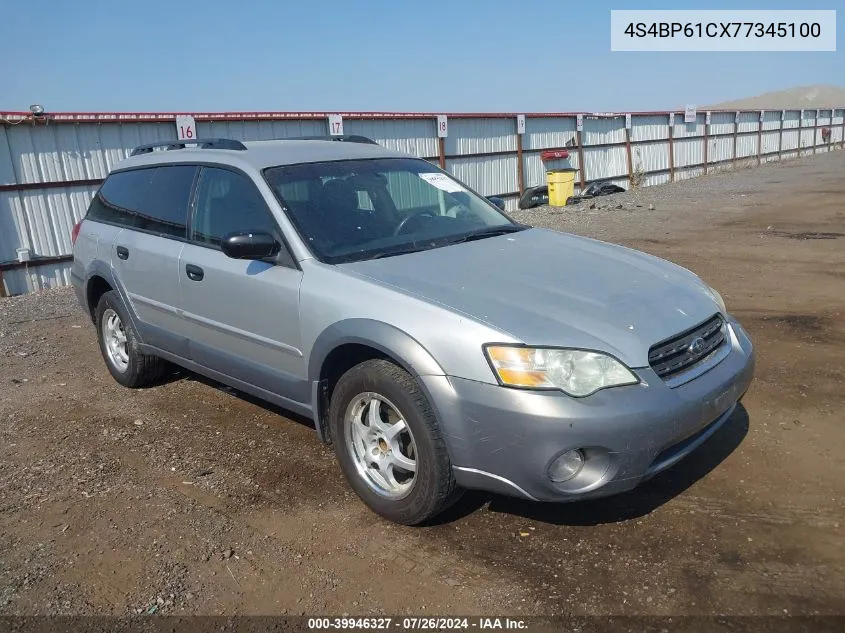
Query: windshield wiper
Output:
(400,251)
(490,231)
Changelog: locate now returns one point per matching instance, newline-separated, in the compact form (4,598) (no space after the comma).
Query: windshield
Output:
(362,209)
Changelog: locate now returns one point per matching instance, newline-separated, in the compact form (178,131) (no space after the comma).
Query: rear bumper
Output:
(503,440)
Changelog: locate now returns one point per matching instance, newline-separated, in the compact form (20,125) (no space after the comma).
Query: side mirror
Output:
(249,245)
(497,201)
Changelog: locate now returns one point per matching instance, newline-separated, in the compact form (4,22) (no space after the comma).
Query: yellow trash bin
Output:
(561,184)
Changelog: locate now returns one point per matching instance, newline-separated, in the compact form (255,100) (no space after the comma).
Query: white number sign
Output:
(671,119)
(442,126)
(689,114)
(186,128)
(707,118)
(335,125)
(520,124)
(762,113)
(579,122)
(628,121)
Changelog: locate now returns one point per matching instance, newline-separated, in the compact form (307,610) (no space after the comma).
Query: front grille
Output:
(678,353)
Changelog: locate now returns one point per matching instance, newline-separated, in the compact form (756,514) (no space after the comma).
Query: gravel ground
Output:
(187,498)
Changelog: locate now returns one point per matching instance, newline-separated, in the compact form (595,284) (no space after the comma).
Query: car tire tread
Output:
(435,488)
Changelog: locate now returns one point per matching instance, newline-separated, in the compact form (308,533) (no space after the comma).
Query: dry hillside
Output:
(806,97)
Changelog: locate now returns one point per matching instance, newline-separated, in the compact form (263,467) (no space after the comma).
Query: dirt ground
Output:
(187,498)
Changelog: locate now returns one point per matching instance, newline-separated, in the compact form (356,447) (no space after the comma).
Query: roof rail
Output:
(347,138)
(201,143)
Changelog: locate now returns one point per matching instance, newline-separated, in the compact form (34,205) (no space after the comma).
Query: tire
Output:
(432,488)
(534,197)
(138,370)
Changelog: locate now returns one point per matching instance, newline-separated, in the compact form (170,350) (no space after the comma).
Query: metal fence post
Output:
(628,151)
(582,167)
(520,168)
(672,147)
(736,131)
(842,138)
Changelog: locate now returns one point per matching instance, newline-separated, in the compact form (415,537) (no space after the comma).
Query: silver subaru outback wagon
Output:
(436,343)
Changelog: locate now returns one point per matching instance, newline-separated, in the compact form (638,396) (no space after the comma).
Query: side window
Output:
(227,202)
(164,208)
(154,199)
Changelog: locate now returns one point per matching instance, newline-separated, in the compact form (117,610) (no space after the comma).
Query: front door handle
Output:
(122,252)
(195,273)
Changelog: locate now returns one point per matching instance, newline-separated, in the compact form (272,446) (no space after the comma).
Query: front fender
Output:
(387,339)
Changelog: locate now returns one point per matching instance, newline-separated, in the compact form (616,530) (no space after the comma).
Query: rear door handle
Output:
(122,252)
(195,273)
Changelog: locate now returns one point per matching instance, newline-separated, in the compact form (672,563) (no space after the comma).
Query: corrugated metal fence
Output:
(50,166)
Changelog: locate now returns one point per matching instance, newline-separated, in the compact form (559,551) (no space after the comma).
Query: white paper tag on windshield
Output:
(442,181)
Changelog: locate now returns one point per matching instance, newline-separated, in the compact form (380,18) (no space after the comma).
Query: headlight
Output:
(575,372)
(718,299)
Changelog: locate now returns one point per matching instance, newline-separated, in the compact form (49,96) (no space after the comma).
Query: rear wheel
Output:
(119,345)
(389,445)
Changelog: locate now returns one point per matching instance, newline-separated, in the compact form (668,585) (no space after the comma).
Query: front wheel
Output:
(389,444)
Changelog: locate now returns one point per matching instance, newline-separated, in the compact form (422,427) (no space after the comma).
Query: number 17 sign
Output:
(335,125)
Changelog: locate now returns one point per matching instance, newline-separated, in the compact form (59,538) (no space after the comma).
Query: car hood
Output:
(542,287)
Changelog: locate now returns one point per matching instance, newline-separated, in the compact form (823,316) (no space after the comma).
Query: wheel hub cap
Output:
(114,340)
(381,445)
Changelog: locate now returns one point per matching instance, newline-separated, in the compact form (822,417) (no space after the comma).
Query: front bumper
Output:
(503,440)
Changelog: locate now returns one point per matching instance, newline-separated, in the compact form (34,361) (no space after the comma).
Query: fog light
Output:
(566,466)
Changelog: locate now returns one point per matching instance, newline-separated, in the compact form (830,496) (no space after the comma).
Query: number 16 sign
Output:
(186,128)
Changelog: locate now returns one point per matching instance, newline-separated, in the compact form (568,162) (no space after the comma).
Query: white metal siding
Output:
(48,217)
(605,162)
(34,278)
(62,152)
(653,127)
(748,122)
(689,152)
(721,148)
(746,145)
(602,130)
(771,120)
(722,122)
(410,136)
(548,132)
(650,157)
(770,141)
(263,130)
(475,136)
(486,175)
(683,130)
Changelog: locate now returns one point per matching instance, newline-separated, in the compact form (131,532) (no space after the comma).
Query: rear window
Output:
(153,199)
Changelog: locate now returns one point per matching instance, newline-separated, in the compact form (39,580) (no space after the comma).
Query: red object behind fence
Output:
(554,154)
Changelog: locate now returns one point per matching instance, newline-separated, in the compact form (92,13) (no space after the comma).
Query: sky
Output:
(367,55)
